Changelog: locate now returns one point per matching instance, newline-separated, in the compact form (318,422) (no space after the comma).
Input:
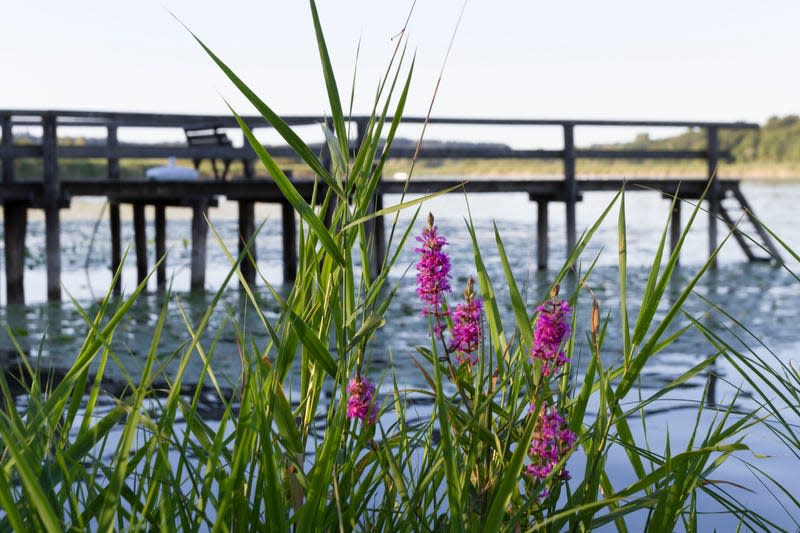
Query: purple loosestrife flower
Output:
(433,272)
(466,331)
(360,403)
(552,329)
(552,440)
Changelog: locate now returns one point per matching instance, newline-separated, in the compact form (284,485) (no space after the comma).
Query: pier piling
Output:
(51,200)
(289,226)
(542,227)
(161,246)
(15,219)
(140,241)
(199,237)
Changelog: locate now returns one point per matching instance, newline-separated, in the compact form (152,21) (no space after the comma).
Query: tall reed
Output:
(509,418)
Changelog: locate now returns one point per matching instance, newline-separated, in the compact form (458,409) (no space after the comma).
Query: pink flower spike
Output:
(433,271)
(552,440)
(466,331)
(551,331)
(360,404)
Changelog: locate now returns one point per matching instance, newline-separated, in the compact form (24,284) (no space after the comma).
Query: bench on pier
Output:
(211,135)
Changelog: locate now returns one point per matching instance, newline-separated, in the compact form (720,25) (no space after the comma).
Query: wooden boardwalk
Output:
(53,192)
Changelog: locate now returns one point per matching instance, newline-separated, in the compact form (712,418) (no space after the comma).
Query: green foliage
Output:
(777,141)
(280,461)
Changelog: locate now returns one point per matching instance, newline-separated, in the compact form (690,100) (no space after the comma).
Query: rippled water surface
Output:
(764,298)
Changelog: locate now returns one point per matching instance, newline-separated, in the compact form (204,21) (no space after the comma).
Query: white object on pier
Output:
(171,172)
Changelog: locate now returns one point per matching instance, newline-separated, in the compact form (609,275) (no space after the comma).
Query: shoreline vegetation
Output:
(760,171)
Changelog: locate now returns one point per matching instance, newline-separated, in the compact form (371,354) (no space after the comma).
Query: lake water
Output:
(765,298)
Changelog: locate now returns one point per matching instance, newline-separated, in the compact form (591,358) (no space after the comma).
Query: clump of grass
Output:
(335,456)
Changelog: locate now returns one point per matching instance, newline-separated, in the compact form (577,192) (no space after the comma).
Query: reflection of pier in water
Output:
(207,140)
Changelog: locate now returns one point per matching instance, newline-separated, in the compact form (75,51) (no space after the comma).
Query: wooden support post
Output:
(51,199)
(675,225)
(542,227)
(570,185)
(15,220)
(113,209)
(199,235)
(140,241)
(714,195)
(161,247)
(116,243)
(247,229)
(289,227)
(8,142)
(380,234)
(375,233)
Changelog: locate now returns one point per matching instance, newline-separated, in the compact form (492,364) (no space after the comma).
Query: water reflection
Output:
(764,298)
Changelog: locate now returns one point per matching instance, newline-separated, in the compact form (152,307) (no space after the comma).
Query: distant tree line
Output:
(776,141)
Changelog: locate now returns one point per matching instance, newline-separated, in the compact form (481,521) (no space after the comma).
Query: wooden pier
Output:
(52,192)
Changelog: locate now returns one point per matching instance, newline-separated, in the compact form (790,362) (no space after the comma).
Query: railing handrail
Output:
(138,119)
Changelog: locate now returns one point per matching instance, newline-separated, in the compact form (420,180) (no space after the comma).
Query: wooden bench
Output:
(212,135)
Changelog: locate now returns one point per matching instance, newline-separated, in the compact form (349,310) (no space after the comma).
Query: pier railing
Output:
(52,192)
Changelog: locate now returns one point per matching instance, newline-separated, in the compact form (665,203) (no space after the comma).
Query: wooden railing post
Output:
(570,184)
(714,196)
(8,142)
(112,143)
(51,200)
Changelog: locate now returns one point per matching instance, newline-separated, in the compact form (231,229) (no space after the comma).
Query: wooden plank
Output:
(289,231)
(161,246)
(247,228)
(15,220)
(87,118)
(197,152)
(199,238)
(51,201)
(542,234)
(147,151)
(20,151)
(265,190)
(261,190)
(140,241)
(641,154)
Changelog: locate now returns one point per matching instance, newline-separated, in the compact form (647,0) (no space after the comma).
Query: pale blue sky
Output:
(713,60)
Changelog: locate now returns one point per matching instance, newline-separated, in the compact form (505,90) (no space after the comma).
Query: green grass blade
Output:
(330,84)
(296,143)
(291,194)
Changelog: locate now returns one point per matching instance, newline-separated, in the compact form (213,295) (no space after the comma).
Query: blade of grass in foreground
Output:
(330,85)
(291,194)
(297,144)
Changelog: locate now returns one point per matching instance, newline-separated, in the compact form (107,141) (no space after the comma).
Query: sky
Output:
(683,59)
